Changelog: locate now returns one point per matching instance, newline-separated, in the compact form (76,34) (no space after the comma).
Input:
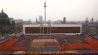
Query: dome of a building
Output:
(3,15)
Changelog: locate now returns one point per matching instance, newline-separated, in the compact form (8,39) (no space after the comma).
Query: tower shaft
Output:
(45,12)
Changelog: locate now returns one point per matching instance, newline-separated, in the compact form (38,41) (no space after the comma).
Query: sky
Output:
(73,10)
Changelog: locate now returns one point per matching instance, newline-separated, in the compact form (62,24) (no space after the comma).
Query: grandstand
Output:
(53,43)
(41,44)
(67,29)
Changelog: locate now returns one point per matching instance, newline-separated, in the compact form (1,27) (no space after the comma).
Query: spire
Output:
(92,20)
(64,20)
(2,11)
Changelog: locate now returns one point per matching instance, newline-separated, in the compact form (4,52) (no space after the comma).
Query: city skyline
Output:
(73,10)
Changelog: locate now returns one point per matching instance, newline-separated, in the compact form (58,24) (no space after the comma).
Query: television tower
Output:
(45,12)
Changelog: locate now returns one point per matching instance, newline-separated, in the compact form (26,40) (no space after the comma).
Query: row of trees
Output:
(6,26)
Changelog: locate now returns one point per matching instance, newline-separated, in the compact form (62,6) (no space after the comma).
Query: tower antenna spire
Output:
(45,11)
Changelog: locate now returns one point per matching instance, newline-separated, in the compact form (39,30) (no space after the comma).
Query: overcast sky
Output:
(56,9)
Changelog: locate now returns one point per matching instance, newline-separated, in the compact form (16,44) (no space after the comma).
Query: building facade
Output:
(90,27)
(6,24)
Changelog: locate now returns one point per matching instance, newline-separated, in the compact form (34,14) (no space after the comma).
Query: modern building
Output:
(18,25)
(37,29)
(40,19)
